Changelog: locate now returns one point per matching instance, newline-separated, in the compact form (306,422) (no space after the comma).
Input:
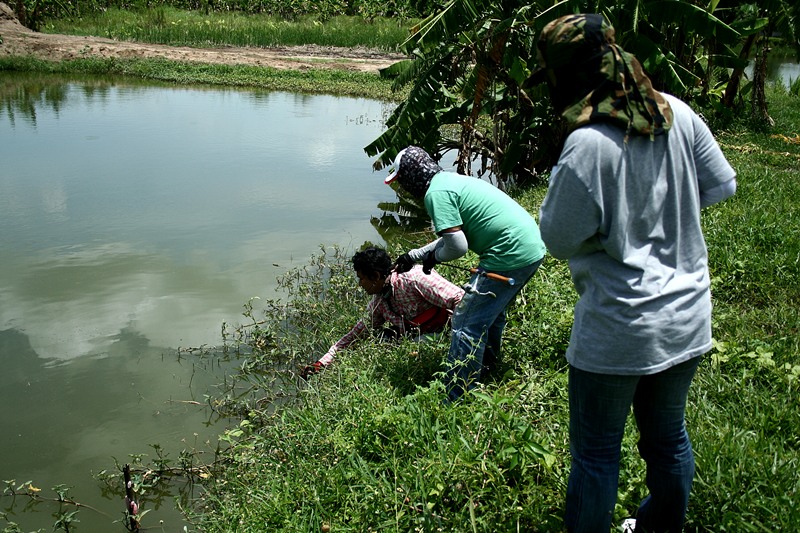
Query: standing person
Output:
(623,205)
(471,214)
(411,303)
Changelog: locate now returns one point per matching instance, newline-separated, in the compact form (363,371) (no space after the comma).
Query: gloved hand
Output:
(310,370)
(429,261)
(404,263)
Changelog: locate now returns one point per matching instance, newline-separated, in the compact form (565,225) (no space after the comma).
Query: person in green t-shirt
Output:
(471,214)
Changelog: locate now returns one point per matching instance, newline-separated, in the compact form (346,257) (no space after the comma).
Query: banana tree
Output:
(33,13)
(682,45)
(466,93)
(469,63)
(757,22)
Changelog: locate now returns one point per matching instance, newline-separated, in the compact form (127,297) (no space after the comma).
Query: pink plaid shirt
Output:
(412,293)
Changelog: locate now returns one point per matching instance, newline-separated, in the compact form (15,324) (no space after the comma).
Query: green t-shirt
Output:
(503,234)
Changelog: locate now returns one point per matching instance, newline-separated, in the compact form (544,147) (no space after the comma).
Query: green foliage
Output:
(318,81)
(794,87)
(473,77)
(746,453)
(33,13)
(367,461)
(747,395)
(38,10)
(65,512)
(167,25)
(757,232)
(370,444)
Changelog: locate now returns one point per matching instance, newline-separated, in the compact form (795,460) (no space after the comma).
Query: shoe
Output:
(629,525)
(310,370)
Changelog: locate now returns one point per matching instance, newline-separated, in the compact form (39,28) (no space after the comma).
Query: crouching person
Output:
(410,303)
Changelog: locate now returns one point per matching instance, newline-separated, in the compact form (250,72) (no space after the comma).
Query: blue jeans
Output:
(478,323)
(598,407)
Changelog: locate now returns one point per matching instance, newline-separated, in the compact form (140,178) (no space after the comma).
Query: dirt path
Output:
(20,41)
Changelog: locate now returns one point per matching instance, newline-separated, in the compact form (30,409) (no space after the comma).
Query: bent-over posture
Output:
(409,303)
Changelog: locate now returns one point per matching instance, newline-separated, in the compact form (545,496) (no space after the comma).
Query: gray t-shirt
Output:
(627,216)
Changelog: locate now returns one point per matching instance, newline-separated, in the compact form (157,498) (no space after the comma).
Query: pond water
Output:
(136,219)
(785,69)
(779,68)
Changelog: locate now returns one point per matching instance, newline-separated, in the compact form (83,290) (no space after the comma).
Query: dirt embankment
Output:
(20,41)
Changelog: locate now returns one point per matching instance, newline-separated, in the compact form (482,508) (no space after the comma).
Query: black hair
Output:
(371,261)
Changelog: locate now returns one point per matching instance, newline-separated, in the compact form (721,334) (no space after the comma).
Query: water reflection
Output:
(70,420)
(71,300)
(137,208)
(784,69)
(20,102)
(400,219)
(137,219)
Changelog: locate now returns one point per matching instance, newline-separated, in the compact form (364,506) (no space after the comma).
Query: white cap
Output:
(395,168)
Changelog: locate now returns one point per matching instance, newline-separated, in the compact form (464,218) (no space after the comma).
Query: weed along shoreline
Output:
(369,445)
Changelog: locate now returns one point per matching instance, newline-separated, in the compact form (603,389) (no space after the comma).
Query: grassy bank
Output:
(369,446)
(176,27)
(325,81)
(168,26)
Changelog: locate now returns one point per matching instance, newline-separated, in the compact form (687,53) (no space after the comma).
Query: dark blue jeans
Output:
(599,405)
(478,324)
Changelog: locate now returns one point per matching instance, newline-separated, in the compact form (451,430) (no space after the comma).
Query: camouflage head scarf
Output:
(592,79)
(415,171)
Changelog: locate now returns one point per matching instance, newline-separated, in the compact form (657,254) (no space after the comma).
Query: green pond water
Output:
(136,219)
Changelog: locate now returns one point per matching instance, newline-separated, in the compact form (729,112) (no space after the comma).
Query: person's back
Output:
(639,252)
(503,234)
(623,205)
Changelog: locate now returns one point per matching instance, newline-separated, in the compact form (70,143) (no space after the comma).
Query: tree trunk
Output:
(758,104)
(732,88)
(487,69)
(21,13)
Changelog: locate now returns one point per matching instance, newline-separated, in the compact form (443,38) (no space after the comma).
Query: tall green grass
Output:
(312,81)
(166,25)
(369,445)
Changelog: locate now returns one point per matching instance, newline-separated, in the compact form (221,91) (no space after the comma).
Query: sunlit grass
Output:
(371,446)
(170,26)
(312,81)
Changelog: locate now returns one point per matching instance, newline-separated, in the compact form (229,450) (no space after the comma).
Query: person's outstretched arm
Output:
(349,338)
